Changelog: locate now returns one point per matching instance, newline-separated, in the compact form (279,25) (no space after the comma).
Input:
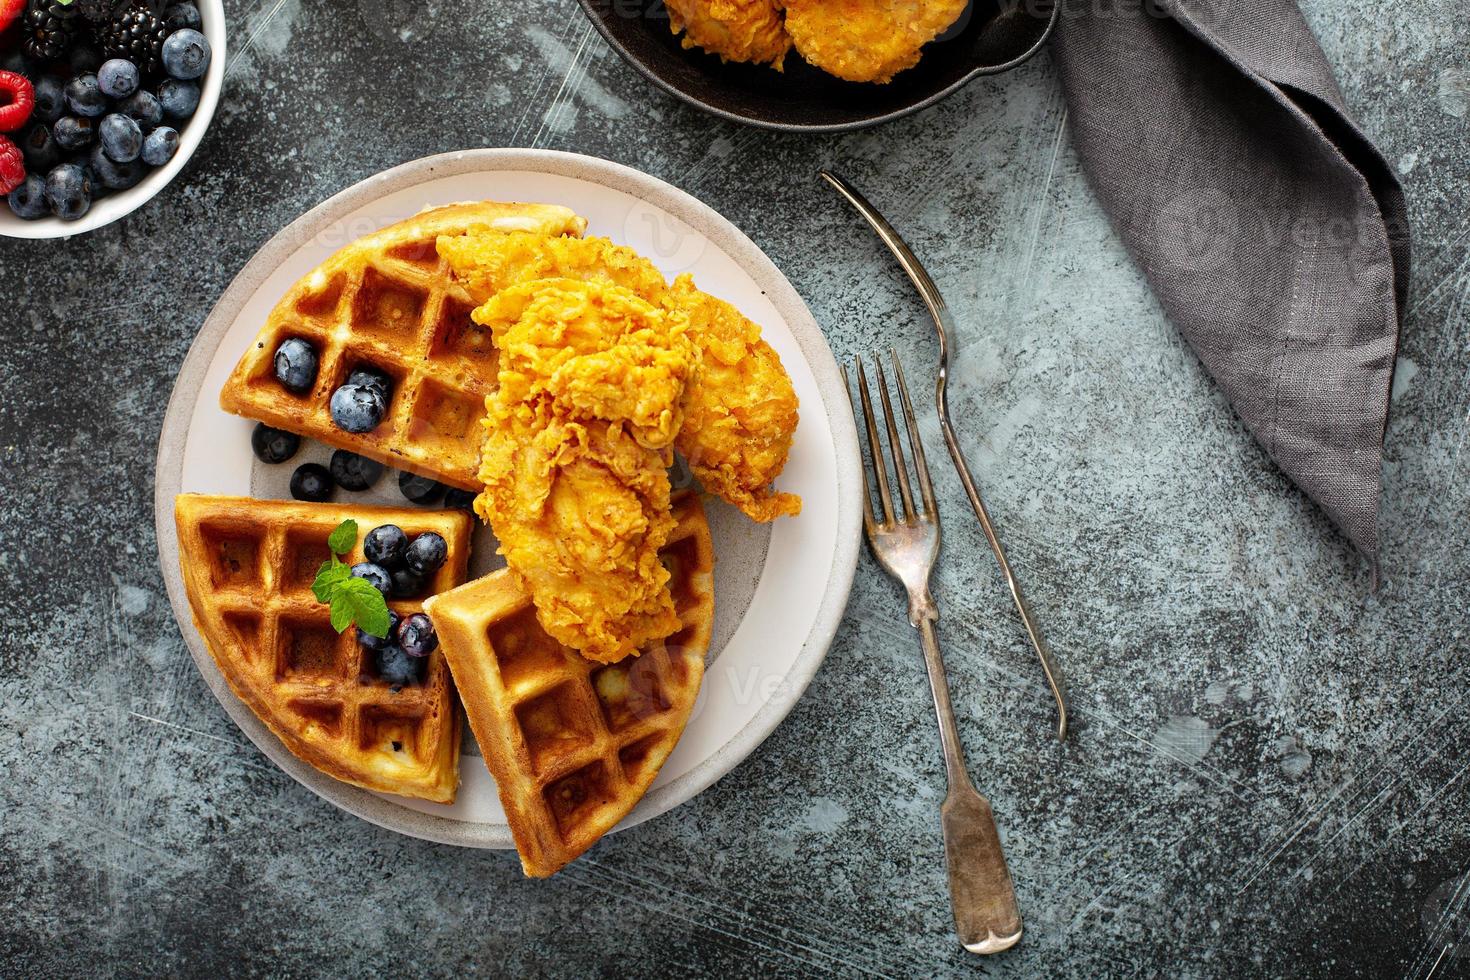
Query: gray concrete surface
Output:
(1268,776)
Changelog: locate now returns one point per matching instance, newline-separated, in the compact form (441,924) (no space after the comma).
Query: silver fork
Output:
(906,544)
(944,328)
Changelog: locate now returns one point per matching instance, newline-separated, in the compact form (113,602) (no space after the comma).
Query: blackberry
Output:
(137,35)
(100,11)
(50,28)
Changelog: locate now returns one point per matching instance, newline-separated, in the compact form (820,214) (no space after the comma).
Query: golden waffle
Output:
(248,567)
(388,301)
(573,744)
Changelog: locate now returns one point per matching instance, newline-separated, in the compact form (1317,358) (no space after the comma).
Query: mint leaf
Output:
(355,600)
(331,575)
(352,600)
(343,538)
(341,612)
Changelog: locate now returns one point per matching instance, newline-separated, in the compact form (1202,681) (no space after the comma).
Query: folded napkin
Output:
(1272,231)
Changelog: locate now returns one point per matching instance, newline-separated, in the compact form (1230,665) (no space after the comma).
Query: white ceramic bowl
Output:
(122,203)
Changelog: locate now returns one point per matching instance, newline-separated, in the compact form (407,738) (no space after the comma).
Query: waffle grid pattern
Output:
(575,744)
(389,302)
(253,563)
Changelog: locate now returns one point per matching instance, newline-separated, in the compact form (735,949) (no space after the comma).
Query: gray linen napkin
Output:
(1272,231)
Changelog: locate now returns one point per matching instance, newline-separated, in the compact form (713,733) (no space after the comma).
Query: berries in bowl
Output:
(102,102)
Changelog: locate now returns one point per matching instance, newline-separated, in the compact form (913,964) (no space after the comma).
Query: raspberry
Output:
(12,166)
(17,101)
(10,11)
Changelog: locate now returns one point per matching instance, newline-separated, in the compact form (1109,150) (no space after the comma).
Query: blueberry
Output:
(354,472)
(41,151)
(84,160)
(117,78)
(397,667)
(50,99)
(296,365)
(186,54)
(179,99)
(406,584)
(376,574)
(370,377)
(181,15)
(457,499)
(385,545)
(114,176)
(74,133)
(420,489)
(121,138)
(16,61)
(358,408)
(375,643)
(273,445)
(83,59)
(426,553)
(28,201)
(85,98)
(143,108)
(312,482)
(416,635)
(68,192)
(160,146)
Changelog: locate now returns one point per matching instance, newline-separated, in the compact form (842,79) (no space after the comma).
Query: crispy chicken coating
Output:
(867,40)
(736,30)
(856,40)
(576,456)
(739,410)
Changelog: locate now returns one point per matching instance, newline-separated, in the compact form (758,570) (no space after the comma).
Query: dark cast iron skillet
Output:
(991,36)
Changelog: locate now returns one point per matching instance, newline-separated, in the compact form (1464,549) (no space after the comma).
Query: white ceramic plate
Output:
(120,204)
(780,589)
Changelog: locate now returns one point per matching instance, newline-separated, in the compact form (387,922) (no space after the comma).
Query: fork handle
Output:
(1033,632)
(980,890)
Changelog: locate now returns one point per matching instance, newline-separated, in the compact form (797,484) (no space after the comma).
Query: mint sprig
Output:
(343,537)
(352,600)
(358,601)
(329,578)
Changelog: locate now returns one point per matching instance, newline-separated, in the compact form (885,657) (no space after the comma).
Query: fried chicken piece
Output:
(867,40)
(736,30)
(740,411)
(598,350)
(576,457)
(581,511)
(487,262)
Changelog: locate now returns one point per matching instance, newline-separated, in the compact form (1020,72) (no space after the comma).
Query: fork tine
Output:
(875,445)
(895,445)
(869,523)
(920,463)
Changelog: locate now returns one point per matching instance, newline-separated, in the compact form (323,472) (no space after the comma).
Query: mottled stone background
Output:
(1269,770)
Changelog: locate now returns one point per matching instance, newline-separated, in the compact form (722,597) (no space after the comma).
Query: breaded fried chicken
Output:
(736,30)
(867,40)
(576,457)
(740,410)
